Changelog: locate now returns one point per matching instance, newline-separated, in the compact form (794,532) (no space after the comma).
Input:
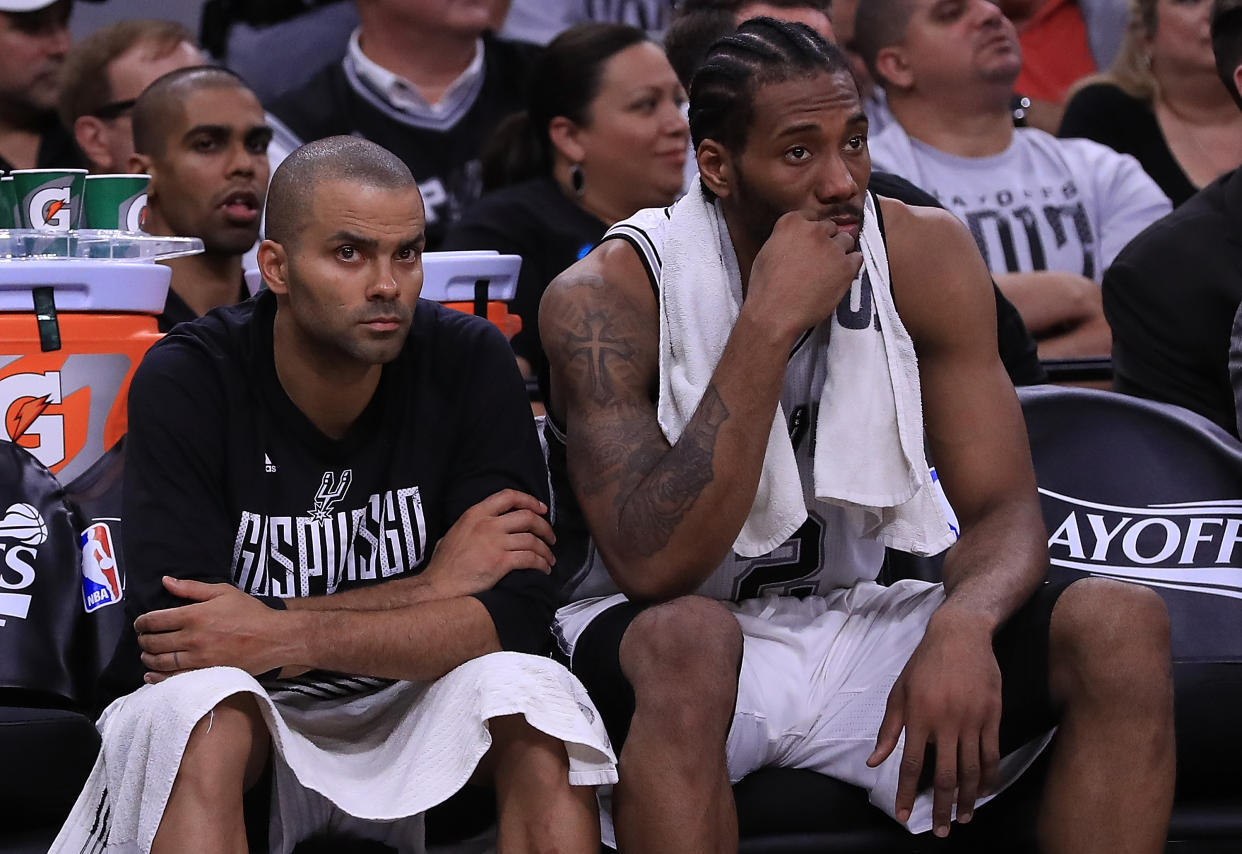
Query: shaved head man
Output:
(202,137)
(311,274)
(347,483)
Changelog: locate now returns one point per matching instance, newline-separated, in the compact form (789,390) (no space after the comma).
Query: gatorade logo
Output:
(133,213)
(49,208)
(32,419)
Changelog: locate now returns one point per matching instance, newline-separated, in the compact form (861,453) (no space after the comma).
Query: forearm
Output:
(996,565)
(1092,338)
(417,642)
(1063,311)
(678,509)
(384,596)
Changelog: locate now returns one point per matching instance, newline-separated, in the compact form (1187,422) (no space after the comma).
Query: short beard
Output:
(358,352)
(228,245)
(757,213)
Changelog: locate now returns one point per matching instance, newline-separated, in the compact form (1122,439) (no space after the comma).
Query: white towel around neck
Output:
(869,431)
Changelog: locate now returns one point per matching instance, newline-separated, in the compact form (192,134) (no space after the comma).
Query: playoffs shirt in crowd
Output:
(1067,205)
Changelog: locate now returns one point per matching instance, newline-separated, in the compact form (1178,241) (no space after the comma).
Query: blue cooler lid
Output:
(88,270)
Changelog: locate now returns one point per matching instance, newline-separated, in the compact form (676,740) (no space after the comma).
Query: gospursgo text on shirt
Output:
(316,553)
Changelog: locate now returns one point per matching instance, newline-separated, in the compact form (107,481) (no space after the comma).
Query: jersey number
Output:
(797,559)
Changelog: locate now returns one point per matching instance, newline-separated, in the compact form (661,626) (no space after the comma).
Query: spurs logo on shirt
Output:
(381,536)
(331,490)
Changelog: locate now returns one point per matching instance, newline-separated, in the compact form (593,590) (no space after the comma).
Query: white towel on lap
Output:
(382,756)
(869,431)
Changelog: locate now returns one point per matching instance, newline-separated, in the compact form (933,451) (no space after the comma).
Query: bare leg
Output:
(537,808)
(227,752)
(1110,786)
(674,795)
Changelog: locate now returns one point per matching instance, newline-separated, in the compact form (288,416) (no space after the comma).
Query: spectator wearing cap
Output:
(34,38)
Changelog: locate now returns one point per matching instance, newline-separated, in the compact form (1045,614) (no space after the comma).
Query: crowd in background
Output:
(1089,149)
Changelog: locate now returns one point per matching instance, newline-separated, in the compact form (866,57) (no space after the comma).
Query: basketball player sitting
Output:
(335,487)
(741,390)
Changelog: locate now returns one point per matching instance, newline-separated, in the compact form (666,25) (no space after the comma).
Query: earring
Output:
(576,179)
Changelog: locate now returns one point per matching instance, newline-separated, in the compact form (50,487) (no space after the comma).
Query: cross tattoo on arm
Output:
(594,346)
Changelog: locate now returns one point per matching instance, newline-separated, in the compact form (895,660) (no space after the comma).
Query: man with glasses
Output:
(34,38)
(103,76)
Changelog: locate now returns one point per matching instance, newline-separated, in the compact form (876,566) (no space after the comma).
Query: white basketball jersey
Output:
(826,552)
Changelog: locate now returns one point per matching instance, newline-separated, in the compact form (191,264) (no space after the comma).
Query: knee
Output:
(227,748)
(1110,640)
(683,657)
(519,748)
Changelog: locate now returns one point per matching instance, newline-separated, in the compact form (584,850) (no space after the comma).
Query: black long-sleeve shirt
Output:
(227,480)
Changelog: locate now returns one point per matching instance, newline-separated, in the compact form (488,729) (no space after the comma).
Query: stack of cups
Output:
(58,203)
(57,200)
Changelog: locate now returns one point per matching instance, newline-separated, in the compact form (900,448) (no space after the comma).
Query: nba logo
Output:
(101,582)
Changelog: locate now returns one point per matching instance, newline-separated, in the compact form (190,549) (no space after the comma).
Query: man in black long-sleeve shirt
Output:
(337,488)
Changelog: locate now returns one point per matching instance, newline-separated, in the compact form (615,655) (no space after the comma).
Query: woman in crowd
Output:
(1162,100)
(603,136)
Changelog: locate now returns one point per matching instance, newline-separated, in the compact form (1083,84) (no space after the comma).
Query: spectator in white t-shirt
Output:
(1049,214)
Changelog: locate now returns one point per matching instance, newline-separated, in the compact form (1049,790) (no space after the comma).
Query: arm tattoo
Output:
(652,510)
(594,344)
(612,450)
(607,352)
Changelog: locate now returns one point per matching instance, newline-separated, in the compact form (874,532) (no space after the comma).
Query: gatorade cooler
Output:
(77,314)
(73,327)
(479,283)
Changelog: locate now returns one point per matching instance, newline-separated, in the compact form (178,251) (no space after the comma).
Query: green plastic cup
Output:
(8,203)
(49,199)
(116,202)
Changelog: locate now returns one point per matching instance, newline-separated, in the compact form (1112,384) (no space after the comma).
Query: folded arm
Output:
(485,587)
(1063,311)
(224,626)
(476,596)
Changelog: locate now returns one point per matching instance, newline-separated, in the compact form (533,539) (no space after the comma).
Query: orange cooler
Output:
(67,406)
